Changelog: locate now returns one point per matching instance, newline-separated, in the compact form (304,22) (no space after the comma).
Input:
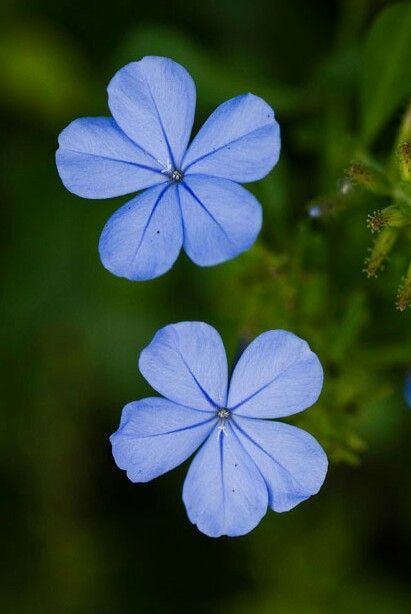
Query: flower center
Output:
(223,415)
(176,176)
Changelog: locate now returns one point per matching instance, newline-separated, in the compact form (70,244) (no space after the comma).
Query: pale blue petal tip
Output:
(314,211)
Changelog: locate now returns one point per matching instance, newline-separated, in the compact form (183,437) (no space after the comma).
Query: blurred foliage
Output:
(78,537)
(33,59)
(385,76)
(382,177)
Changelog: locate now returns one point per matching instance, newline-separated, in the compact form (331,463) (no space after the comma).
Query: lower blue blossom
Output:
(246,462)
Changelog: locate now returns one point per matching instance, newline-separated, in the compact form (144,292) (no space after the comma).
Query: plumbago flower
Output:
(192,199)
(246,462)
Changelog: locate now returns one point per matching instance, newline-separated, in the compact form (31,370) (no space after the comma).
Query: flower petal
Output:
(224,492)
(221,219)
(143,238)
(97,160)
(156,435)
(186,362)
(277,375)
(153,101)
(239,141)
(292,462)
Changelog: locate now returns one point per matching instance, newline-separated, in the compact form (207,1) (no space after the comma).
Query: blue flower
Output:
(192,199)
(245,462)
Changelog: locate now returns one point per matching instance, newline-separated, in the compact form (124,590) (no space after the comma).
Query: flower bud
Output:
(404,158)
(345,186)
(404,292)
(319,208)
(368,177)
(393,216)
(380,251)
(405,129)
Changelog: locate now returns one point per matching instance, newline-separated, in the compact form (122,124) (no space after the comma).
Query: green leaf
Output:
(42,75)
(386,71)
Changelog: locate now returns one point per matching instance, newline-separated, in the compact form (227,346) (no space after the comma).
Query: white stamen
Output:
(222,428)
(167,167)
(223,416)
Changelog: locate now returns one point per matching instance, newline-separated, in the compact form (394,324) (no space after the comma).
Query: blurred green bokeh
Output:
(78,537)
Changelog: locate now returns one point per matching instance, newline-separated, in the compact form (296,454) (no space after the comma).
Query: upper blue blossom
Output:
(192,200)
(245,462)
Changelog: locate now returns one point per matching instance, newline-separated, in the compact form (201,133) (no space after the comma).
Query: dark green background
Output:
(78,537)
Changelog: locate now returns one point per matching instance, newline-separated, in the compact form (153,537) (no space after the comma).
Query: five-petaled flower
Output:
(192,199)
(245,462)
